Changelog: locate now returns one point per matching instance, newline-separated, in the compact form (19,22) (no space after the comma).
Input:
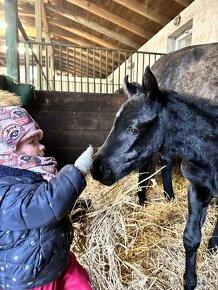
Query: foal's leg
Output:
(143,173)
(199,198)
(167,175)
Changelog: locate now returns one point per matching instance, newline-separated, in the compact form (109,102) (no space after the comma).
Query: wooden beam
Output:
(144,11)
(94,26)
(44,20)
(184,3)
(85,35)
(72,40)
(2,62)
(38,20)
(111,17)
(12,57)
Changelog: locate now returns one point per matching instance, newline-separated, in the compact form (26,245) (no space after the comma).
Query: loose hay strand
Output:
(128,247)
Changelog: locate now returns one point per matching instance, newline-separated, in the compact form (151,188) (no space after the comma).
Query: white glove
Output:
(84,162)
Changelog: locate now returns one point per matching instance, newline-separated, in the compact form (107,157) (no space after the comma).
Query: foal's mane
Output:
(205,105)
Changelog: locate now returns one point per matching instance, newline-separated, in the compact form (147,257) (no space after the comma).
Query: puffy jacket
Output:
(35,232)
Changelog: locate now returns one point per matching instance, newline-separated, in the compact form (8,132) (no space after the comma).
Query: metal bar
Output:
(94,69)
(100,71)
(137,65)
(143,64)
(81,80)
(107,71)
(68,74)
(87,63)
(112,71)
(60,65)
(74,64)
(27,64)
(119,71)
(54,85)
(32,65)
(125,63)
(47,65)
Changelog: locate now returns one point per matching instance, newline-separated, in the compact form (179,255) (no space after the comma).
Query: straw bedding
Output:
(128,247)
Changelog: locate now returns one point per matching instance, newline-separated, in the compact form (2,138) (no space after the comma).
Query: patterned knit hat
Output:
(16,125)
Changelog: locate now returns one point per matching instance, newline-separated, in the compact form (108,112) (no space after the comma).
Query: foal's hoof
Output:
(169,197)
(213,244)
(142,202)
(190,285)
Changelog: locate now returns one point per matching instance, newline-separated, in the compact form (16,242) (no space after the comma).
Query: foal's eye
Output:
(133,131)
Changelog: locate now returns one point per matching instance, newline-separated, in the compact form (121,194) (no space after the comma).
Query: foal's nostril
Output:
(96,169)
(107,173)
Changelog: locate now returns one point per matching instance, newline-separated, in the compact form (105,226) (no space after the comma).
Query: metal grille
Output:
(63,67)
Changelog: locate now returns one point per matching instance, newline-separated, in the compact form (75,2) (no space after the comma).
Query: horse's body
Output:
(153,121)
(191,70)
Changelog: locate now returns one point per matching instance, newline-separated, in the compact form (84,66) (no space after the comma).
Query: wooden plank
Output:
(184,3)
(77,102)
(95,26)
(71,120)
(38,24)
(85,35)
(12,57)
(49,51)
(67,138)
(109,16)
(144,11)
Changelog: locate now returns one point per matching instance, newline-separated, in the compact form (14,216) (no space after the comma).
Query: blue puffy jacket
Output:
(35,232)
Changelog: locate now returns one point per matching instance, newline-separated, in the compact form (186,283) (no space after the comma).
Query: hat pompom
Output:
(9,99)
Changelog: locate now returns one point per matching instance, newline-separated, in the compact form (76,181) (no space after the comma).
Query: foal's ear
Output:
(129,88)
(149,83)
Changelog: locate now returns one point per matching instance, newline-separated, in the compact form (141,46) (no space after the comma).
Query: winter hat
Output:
(15,123)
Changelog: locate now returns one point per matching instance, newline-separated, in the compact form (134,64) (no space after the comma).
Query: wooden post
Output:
(38,24)
(50,56)
(12,56)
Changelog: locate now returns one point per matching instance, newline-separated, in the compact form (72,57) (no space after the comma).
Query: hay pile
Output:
(128,247)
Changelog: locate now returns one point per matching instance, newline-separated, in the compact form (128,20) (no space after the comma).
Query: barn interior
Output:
(67,59)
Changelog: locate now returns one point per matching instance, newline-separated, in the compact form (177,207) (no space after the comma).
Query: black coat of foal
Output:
(191,70)
(153,121)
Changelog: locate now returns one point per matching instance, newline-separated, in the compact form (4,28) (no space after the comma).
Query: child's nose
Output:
(41,147)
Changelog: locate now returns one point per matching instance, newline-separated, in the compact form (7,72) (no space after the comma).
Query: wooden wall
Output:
(72,121)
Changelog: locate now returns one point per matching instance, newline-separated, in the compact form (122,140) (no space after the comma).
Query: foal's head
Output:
(135,134)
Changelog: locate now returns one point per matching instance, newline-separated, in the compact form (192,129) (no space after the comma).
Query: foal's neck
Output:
(188,122)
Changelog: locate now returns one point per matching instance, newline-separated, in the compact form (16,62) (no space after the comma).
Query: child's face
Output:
(31,147)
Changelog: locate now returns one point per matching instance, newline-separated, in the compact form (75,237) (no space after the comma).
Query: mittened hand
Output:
(84,162)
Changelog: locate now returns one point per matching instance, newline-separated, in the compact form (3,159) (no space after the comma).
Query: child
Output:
(35,200)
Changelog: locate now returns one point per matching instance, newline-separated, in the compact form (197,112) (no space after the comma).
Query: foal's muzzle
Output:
(101,173)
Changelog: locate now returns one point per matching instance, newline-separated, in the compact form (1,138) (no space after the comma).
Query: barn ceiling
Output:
(122,24)
(109,24)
